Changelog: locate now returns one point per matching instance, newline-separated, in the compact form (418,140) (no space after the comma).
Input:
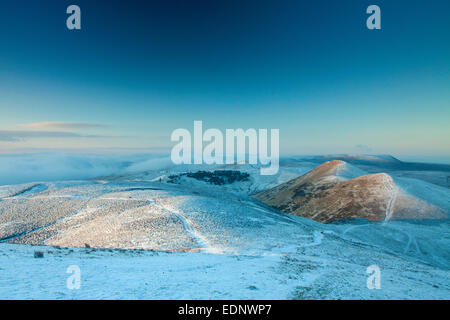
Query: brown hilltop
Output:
(320,178)
(324,196)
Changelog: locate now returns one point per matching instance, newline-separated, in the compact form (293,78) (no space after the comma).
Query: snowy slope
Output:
(193,240)
(237,249)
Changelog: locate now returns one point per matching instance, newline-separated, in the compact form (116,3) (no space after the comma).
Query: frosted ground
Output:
(150,239)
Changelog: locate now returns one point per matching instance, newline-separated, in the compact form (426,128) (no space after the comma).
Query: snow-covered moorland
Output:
(138,235)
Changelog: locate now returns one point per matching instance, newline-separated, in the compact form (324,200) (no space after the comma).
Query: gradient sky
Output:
(140,69)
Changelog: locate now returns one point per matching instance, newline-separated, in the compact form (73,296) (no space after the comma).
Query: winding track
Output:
(390,205)
(191,230)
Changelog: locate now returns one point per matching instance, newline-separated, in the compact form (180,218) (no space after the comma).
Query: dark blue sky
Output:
(139,69)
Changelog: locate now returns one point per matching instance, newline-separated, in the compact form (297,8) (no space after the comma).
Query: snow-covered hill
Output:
(336,190)
(135,235)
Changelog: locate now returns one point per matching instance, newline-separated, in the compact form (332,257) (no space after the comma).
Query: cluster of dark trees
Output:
(217,177)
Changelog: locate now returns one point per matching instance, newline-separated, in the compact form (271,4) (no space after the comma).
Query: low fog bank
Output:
(23,168)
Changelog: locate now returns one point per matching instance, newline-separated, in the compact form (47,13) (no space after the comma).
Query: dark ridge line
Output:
(21,192)
(139,189)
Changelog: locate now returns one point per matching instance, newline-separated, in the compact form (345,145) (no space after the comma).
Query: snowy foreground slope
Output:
(138,237)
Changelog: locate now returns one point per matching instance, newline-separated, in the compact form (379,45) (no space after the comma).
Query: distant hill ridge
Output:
(381,161)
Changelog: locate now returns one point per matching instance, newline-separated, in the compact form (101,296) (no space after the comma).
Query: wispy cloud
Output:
(363,148)
(49,125)
(21,168)
(17,135)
